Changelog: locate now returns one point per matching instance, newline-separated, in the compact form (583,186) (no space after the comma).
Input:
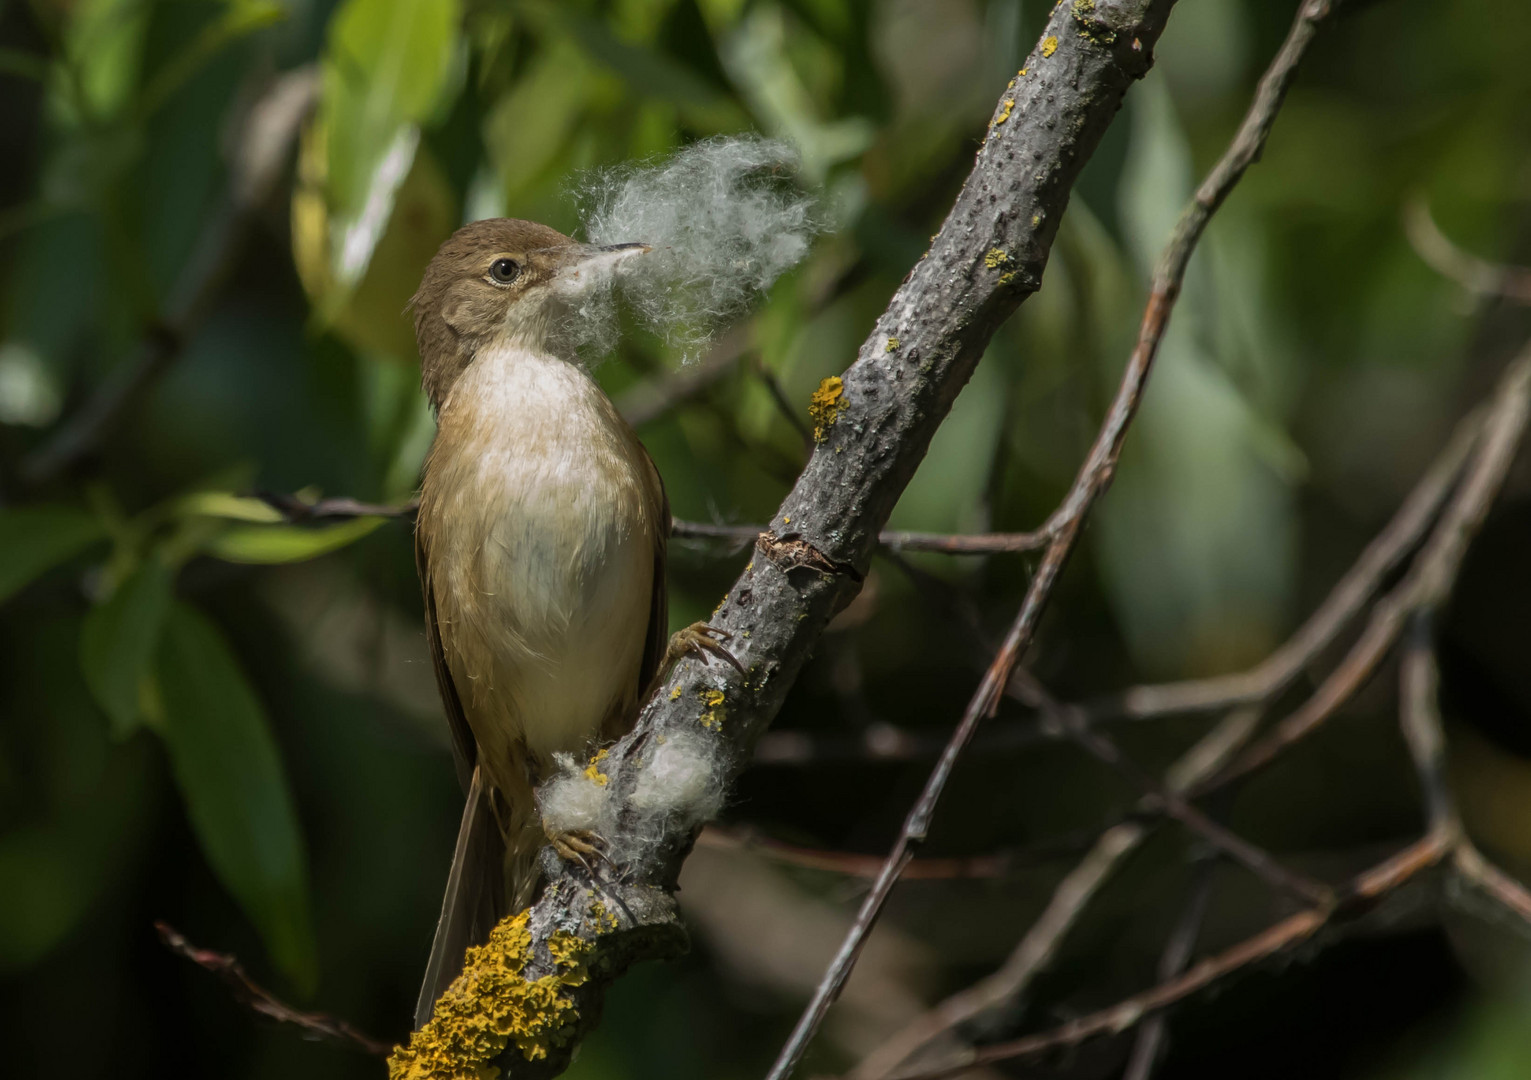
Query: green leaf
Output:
(388,68)
(230,775)
(118,641)
(288,543)
(34,539)
(221,504)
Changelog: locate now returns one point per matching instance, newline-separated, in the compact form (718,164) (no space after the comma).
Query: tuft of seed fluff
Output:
(680,781)
(683,779)
(725,218)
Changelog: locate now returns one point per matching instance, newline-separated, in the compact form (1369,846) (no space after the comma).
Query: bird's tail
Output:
(475,897)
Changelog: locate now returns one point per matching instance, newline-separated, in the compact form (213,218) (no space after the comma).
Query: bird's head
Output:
(501,281)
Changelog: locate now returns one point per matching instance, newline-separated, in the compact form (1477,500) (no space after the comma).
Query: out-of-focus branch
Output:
(894,539)
(1068,902)
(1066,523)
(1362,893)
(1478,276)
(1419,719)
(250,994)
(268,134)
(1072,722)
(1177,954)
(996,864)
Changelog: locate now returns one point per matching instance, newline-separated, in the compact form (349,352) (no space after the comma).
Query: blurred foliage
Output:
(218,718)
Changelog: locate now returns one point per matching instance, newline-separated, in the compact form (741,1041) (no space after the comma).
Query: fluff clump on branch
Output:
(725,218)
(678,782)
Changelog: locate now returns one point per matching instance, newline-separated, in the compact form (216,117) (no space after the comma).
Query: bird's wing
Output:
(475,894)
(474,900)
(464,747)
(659,607)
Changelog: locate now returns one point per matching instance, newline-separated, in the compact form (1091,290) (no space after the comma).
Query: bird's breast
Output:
(539,511)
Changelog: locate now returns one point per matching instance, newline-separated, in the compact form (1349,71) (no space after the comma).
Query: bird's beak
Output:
(589,265)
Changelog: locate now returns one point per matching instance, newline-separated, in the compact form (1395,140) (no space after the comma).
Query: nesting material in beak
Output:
(590,266)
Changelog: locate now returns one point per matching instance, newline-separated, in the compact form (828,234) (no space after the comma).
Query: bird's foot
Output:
(702,641)
(579,846)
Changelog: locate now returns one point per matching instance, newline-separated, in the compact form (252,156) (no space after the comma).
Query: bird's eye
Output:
(504,271)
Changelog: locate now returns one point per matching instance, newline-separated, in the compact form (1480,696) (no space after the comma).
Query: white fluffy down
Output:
(725,221)
(571,801)
(683,779)
(681,782)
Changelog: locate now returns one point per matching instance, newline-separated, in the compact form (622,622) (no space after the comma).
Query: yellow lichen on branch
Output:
(593,771)
(492,1005)
(826,405)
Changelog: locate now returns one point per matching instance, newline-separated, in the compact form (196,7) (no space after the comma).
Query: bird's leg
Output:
(578,846)
(699,640)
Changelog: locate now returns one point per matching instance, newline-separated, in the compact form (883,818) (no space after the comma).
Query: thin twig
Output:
(339,508)
(1177,954)
(885,742)
(1068,902)
(996,864)
(783,404)
(893,539)
(1419,719)
(248,993)
(1363,891)
(1065,525)
(1256,860)
(1478,276)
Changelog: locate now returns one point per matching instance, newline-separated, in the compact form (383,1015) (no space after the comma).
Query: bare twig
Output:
(269,131)
(1173,961)
(996,864)
(1065,524)
(783,403)
(882,741)
(1363,891)
(1069,899)
(1478,276)
(1419,719)
(1262,864)
(248,993)
(894,539)
(338,508)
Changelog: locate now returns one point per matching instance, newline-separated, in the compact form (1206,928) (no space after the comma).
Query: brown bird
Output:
(541,548)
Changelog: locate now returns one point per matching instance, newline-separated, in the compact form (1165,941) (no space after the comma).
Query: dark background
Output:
(1315,366)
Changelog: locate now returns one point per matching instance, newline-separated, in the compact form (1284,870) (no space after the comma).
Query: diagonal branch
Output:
(539,986)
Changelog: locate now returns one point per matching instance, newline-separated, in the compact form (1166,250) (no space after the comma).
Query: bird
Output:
(540,542)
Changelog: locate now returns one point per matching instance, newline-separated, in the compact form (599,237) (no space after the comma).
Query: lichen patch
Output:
(826,405)
(492,1005)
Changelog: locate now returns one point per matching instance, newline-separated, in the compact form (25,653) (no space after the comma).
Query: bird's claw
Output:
(580,846)
(702,640)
